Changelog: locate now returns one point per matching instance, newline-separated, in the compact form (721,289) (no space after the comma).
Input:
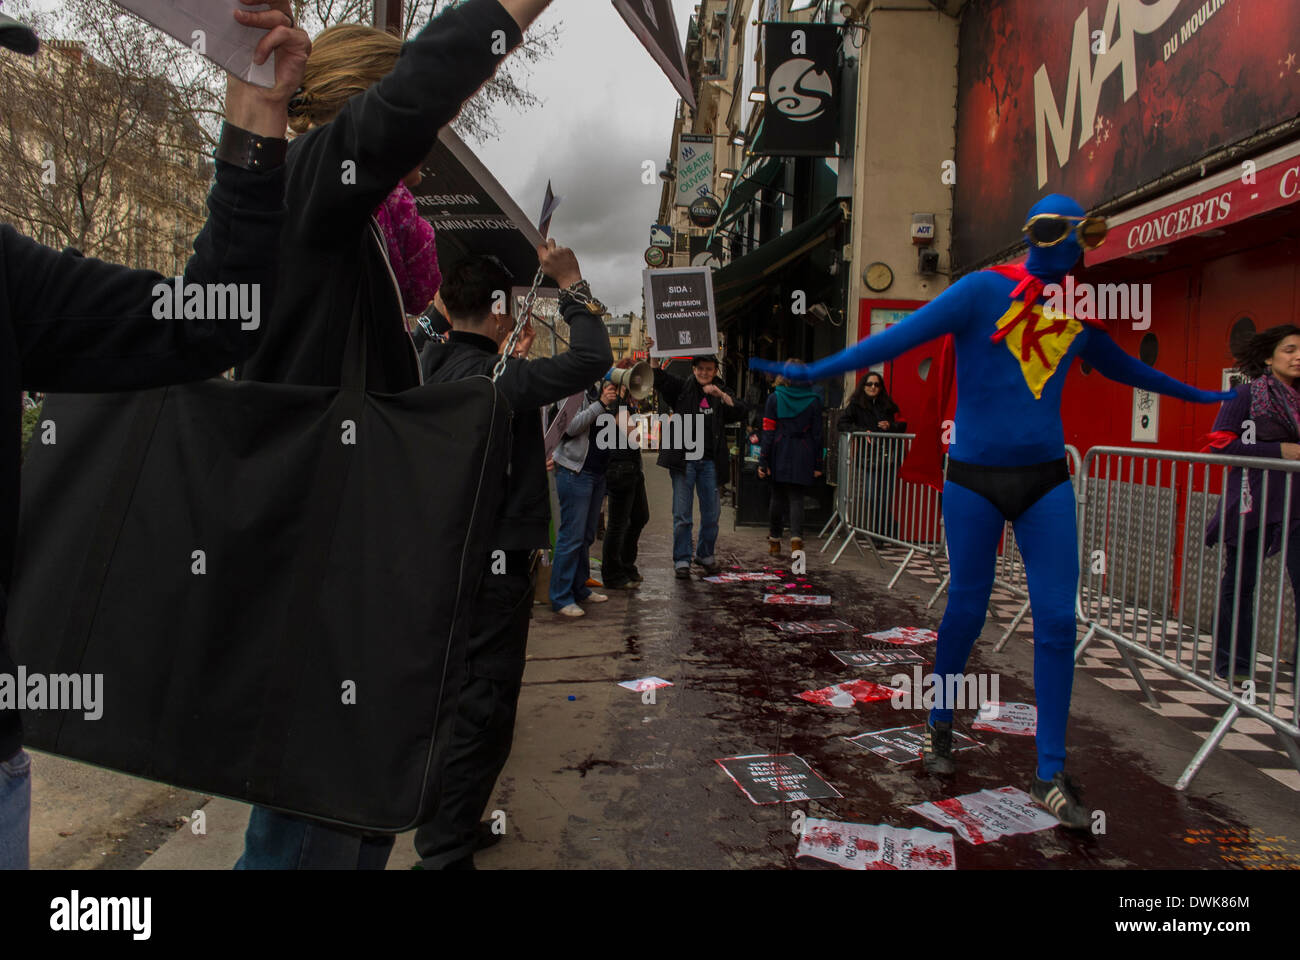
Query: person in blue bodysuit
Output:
(1007,461)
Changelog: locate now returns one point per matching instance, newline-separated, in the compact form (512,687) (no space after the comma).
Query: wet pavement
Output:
(607,780)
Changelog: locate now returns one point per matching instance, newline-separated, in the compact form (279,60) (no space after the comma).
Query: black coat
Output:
(685,396)
(331,250)
(527,385)
(867,415)
(72,323)
(793,448)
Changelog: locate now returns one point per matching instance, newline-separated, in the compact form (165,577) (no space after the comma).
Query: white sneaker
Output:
(596,598)
(572,610)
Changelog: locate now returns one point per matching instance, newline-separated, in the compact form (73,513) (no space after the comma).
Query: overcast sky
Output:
(607,108)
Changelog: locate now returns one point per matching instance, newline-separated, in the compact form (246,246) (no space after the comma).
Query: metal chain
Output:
(524,314)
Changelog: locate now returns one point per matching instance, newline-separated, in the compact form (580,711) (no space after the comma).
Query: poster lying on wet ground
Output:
(988,815)
(813,626)
(645,683)
(876,658)
(798,599)
(845,695)
(903,744)
(742,578)
(905,636)
(776,778)
(862,846)
(1017,718)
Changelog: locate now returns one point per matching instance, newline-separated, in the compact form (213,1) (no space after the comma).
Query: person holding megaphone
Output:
(629,508)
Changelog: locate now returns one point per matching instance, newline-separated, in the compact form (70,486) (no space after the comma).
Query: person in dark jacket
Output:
(793,456)
(871,409)
(1269,407)
(629,509)
(709,405)
(72,323)
(367,115)
(485,714)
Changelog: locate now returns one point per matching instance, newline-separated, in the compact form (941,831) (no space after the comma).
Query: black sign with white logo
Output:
(704,212)
(802,118)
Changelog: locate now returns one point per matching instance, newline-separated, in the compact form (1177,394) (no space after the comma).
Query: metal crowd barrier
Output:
(874,504)
(1150,584)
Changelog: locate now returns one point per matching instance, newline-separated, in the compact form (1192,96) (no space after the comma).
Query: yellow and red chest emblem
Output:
(1038,343)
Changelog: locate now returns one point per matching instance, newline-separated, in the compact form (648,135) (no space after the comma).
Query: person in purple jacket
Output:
(1262,420)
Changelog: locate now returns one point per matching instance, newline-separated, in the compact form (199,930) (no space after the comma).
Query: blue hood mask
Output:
(1051,264)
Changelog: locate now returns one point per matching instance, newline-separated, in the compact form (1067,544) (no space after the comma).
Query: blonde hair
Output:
(345,60)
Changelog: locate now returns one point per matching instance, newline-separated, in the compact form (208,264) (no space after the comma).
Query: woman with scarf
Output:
(365,118)
(872,409)
(1263,420)
(792,455)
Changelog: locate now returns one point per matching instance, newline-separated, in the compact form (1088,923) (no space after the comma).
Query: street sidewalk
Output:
(600,779)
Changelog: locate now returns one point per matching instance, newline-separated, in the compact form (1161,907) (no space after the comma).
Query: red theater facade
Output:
(1175,119)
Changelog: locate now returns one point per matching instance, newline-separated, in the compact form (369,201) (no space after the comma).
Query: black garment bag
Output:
(274,581)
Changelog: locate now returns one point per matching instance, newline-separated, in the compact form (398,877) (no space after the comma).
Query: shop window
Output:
(923,371)
(1149,349)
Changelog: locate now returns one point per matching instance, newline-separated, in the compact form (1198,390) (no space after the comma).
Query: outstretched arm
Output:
(1114,364)
(945,314)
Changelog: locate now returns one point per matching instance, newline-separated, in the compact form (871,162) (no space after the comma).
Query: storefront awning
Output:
(744,190)
(744,279)
(1209,204)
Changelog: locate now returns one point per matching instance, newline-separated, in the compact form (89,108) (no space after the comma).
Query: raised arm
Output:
(947,313)
(1114,364)
(348,166)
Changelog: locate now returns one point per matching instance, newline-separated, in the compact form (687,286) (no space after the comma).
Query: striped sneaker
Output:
(937,752)
(1062,798)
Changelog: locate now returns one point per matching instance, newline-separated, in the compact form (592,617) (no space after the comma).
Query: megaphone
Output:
(638,378)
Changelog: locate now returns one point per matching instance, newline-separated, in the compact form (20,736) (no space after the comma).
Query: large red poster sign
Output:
(1095,98)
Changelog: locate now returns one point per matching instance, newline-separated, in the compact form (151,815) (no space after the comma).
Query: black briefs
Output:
(1012,490)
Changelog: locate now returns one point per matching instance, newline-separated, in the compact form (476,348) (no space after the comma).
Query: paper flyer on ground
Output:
(876,658)
(813,626)
(861,846)
(905,636)
(776,778)
(903,744)
(648,683)
(988,815)
(742,578)
(847,694)
(1017,718)
(798,599)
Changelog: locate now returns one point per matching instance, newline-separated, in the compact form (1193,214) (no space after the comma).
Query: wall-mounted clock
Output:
(878,277)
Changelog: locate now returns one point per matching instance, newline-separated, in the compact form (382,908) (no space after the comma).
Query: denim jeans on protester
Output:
(279,841)
(580,496)
(701,476)
(15,811)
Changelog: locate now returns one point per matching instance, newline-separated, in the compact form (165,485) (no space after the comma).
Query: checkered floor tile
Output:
(1250,739)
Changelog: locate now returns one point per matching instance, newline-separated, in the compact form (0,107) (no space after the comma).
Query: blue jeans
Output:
(278,841)
(580,496)
(15,810)
(701,475)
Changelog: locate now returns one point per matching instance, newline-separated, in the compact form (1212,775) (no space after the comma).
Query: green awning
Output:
(744,190)
(746,278)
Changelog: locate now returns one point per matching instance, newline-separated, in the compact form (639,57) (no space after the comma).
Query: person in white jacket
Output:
(580,464)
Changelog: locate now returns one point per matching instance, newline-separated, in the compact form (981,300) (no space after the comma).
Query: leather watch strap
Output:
(250,150)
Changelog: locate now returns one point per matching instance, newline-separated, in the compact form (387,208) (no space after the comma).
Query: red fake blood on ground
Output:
(864,691)
(932,856)
(974,828)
